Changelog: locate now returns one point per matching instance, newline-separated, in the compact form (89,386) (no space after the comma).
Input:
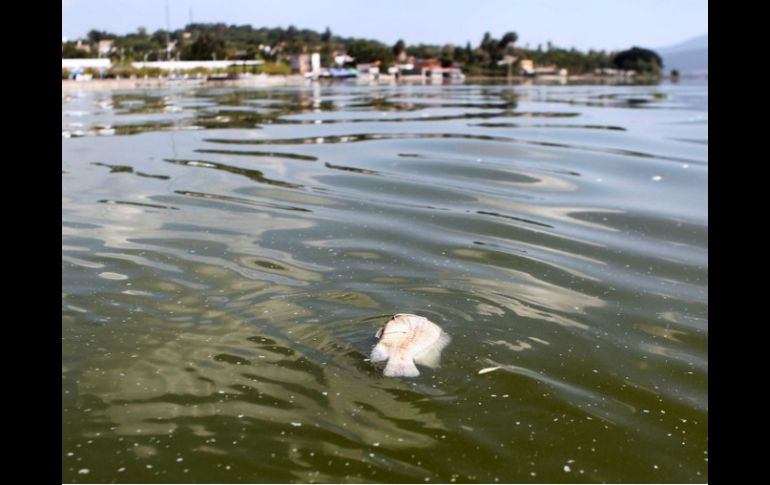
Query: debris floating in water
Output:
(107,275)
(295,424)
(489,369)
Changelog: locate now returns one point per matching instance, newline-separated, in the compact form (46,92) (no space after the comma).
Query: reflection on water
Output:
(229,253)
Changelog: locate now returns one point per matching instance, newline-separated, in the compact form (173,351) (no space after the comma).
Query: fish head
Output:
(400,323)
(404,315)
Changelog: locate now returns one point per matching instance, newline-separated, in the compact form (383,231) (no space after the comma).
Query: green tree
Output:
(508,39)
(326,55)
(369,51)
(447,55)
(424,51)
(486,42)
(460,55)
(398,48)
(95,36)
(638,59)
(495,49)
(205,47)
(70,52)
(244,41)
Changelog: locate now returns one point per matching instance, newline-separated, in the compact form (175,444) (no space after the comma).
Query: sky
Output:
(584,24)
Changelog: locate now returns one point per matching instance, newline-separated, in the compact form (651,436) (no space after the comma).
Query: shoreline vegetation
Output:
(283,52)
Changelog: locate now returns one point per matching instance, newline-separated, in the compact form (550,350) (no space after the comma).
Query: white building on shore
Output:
(72,64)
(189,65)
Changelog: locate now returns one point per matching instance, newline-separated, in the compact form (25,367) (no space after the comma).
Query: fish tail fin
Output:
(431,356)
(379,353)
(401,366)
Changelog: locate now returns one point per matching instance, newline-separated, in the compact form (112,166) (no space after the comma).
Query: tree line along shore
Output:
(277,50)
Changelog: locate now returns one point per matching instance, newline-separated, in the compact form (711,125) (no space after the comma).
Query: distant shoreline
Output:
(298,80)
(144,83)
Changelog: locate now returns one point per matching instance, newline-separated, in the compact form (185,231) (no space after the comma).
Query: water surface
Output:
(229,253)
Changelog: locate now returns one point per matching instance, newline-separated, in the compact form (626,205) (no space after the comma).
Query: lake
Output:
(229,253)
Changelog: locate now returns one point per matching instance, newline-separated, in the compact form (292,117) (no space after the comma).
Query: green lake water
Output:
(229,253)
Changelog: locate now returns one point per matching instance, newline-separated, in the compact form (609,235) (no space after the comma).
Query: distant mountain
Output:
(690,56)
(700,42)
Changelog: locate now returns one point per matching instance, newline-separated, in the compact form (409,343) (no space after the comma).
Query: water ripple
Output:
(220,299)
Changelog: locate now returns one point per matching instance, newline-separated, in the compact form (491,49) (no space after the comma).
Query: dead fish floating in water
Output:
(408,339)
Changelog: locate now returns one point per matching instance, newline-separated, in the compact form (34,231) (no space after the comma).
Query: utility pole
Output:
(168,28)
(509,60)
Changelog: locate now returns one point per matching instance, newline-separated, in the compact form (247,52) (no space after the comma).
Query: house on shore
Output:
(431,68)
(179,66)
(341,58)
(527,68)
(550,70)
(371,69)
(81,46)
(606,71)
(104,47)
(305,63)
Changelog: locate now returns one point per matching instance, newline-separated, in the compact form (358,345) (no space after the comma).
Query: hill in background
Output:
(690,56)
